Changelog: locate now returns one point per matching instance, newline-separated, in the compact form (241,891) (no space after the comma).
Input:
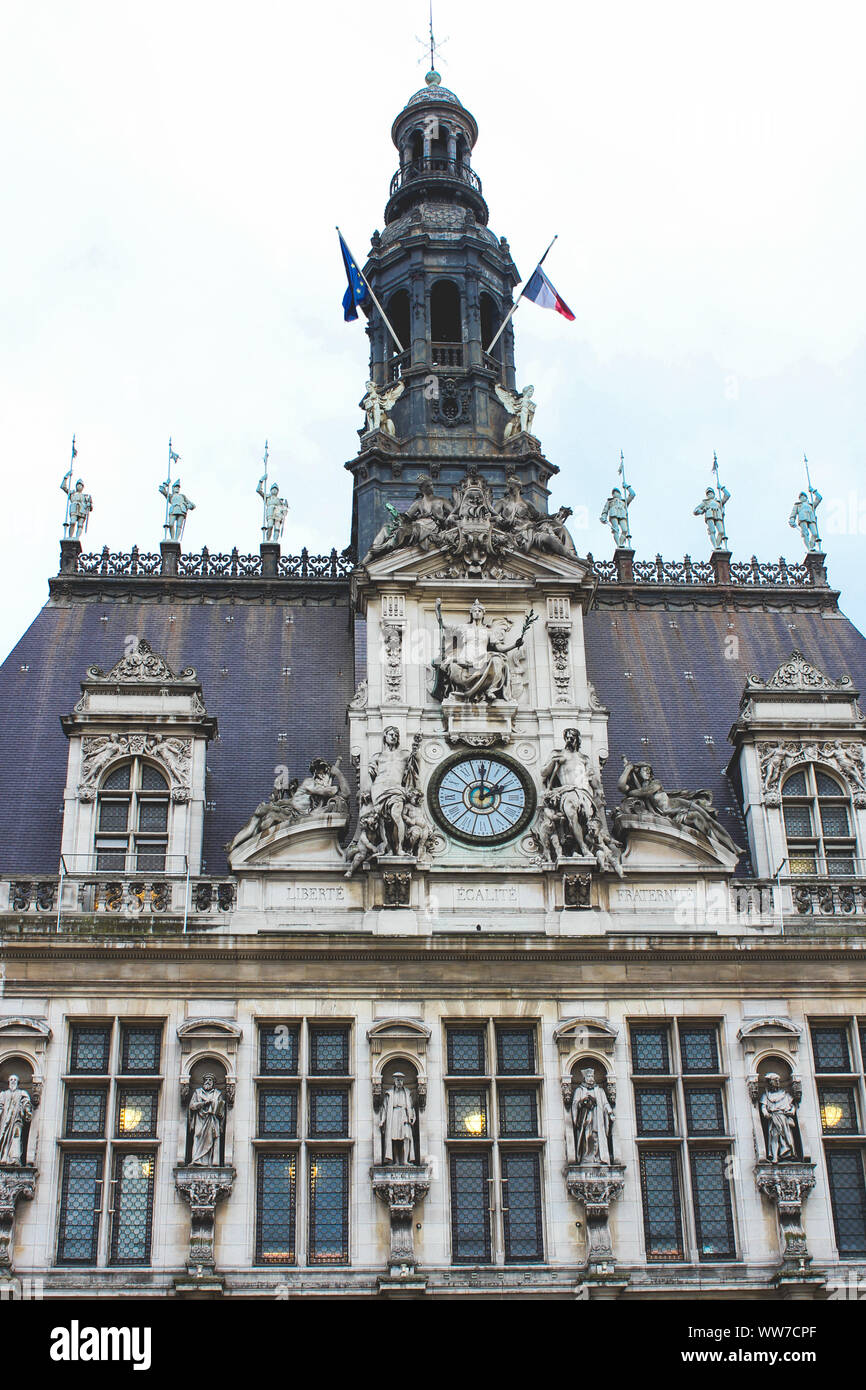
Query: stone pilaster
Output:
(787,1184)
(16,1181)
(402,1186)
(595,1186)
(202,1187)
(270,553)
(170,552)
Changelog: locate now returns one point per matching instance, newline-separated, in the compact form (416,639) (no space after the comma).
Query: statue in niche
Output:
(477,667)
(712,509)
(276,510)
(16,1111)
(396,1123)
(520,407)
(645,797)
(804,514)
(592,1119)
(207,1110)
(615,515)
(179,505)
(79,507)
(778,1109)
(378,404)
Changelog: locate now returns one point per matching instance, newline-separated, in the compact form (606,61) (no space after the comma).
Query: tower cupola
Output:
(435,136)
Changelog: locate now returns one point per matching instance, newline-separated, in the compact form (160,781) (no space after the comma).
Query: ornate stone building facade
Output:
(454,914)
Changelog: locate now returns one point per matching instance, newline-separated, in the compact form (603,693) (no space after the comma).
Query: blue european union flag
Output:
(357,292)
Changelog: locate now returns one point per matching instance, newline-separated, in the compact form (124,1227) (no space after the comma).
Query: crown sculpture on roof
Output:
(472,529)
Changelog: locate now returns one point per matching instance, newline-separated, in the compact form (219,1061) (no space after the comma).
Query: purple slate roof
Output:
(253,702)
(658,701)
(240,665)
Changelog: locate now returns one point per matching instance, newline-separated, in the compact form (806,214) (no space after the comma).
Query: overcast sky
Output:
(172,174)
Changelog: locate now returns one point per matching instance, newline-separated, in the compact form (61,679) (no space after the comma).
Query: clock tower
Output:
(445,281)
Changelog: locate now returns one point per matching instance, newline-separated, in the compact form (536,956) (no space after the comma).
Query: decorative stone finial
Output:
(433,78)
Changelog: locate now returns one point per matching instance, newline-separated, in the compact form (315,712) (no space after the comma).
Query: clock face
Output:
(482,800)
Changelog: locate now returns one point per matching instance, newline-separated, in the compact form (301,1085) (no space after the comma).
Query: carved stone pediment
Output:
(313,842)
(582,1034)
(415,565)
(390,1034)
(141,665)
(798,674)
(656,842)
(20,1028)
(755,1033)
(202,1037)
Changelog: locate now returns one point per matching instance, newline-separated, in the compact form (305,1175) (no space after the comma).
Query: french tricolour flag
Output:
(541,291)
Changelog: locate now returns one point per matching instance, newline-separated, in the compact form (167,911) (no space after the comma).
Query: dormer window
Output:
(132,819)
(818,824)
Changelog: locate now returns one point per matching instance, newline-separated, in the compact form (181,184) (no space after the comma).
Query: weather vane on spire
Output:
(431,44)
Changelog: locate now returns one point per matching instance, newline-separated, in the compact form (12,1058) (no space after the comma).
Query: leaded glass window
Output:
(660,1190)
(132,1204)
(848,1199)
(80,1204)
(279,1046)
(85,1113)
(136,1112)
(466,1052)
(698,1049)
(90,1048)
(518,1113)
(467,1114)
(649,1048)
(278,1112)
(655,1110)
(329,1208)
(329,1051)
(704,1110)
(140,1049)
(521,1208)
(132,819)
(711,1195)
(276,1204)
(329,1112)
(515,1051)
(818,824)
(830,1045)
(838,1109)
(470,1208)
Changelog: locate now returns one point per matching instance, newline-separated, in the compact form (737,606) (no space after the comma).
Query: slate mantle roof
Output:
(253,701)
(241,662)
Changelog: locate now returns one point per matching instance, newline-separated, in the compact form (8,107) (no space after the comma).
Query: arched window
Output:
(818,823)
(132,818)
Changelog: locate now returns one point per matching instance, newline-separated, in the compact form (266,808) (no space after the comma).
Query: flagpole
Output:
(388,325)
(513,309)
